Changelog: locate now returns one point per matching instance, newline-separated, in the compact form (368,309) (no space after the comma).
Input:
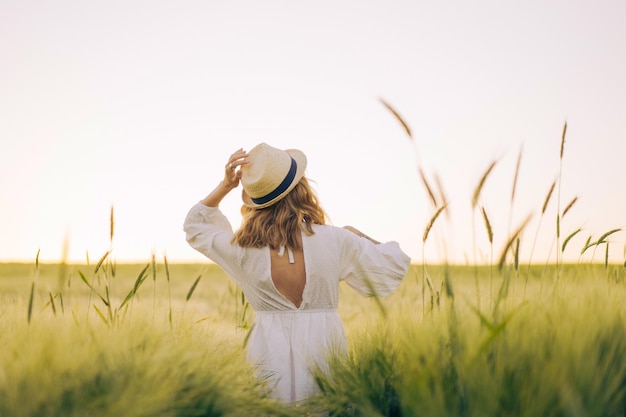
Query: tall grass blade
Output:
(101,261)
(244,309)
(101,314)
(490,237)
(563,139)
(481,184)
(516,255)
(112,226)
(62,272)
(107,303)
(398,118)
(511,240)
(558,220)
(31,297)
(569,206)
(483,319)
(487,225)
(428,187)
(516,176)
(30,302)
(568,238)
(248,334)
(606,256)
(495,329)
(91,287)
(448,284)
(543,211)
(169,290)
(153,265)
(587,245)
(167,268)
(154,287)
(602,239)
(193,288)
(547,199)
(431,223)
(430,288)
(442,194)
(54,308)
(243,324)
(140,279)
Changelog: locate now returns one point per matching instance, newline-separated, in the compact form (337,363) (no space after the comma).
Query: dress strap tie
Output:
(281,252)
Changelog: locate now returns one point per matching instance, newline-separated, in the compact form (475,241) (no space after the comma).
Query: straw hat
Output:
(270,174)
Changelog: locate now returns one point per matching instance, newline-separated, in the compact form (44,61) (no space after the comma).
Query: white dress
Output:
(286,341)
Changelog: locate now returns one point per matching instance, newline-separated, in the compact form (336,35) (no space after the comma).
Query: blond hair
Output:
(278,224)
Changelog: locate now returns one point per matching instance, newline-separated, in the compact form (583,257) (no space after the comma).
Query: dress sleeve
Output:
(209,232)
(373,270)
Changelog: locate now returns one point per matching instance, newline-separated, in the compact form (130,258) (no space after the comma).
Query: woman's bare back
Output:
(288,273)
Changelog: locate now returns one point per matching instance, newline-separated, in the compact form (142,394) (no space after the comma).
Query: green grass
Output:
(537,350)
(550,354)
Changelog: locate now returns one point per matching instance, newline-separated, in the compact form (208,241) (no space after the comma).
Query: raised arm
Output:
(232,175)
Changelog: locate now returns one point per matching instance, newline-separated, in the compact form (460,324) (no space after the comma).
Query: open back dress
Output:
(287,342)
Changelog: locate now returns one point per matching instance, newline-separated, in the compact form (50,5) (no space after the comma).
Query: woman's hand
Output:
(232,175)
(361,234)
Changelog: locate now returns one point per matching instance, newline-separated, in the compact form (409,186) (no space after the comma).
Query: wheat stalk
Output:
(558,219)
(169,291)
(481,184)
(514,186)
(399,118)
(544,207)
(154,286)
(568,238)
(31,297)
(429,189)
(431,223)
(516,176)
(512,239)
(111,226)
(101,261)
(442,194)
(54,309)
(569,206)
(193,288)
(487,225)
(602,239)
(490,237)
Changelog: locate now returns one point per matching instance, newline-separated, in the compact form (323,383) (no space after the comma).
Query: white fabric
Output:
(287,341)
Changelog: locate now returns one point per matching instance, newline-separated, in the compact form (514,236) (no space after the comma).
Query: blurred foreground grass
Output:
(453,341)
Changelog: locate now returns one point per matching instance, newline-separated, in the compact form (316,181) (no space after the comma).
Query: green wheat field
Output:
(168,340)
(508,338)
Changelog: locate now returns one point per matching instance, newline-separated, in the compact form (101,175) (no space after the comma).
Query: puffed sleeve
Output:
(373,269)
(209,232)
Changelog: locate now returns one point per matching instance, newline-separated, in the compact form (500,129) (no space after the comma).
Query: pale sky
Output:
(138,104)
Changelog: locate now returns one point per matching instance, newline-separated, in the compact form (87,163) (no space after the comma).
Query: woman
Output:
(294,294)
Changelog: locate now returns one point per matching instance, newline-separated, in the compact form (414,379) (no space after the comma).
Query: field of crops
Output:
(168,340)
(497,338)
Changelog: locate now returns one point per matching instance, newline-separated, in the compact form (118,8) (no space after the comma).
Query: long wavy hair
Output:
(278,224)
